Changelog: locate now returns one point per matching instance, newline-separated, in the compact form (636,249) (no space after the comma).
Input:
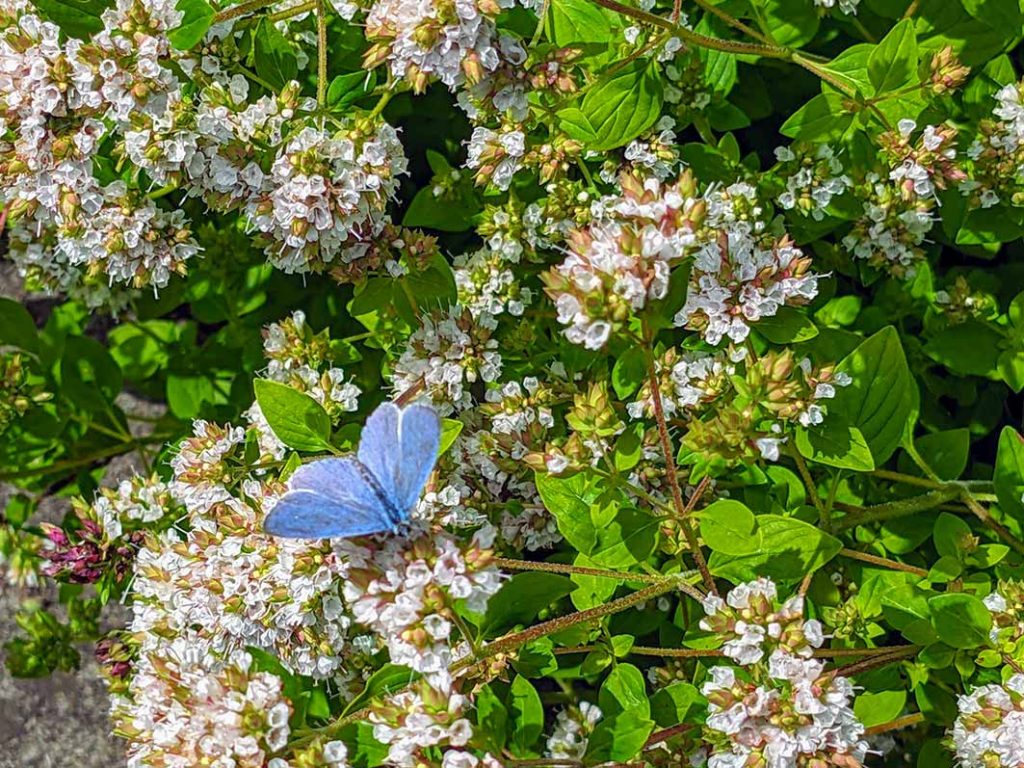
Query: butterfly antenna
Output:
(127,589)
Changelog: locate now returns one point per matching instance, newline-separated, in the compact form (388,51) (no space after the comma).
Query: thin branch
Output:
(242,9)
(694,38)
(321,53)
(732,21)
(530,565)
(900,722)
(901,508)
(884,562)
(670,464)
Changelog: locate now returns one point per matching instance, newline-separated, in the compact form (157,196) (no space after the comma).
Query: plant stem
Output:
(512,642)
(986,519)
(878,661)
(805,475)
(732,21)
(288,13)
(892,725)
(103,453)
(666,733)
(529,565)
(901,508)
(710,653)
(884,562)
(670,464)
(242,9)
(694,38)
(906,479)
(321,53)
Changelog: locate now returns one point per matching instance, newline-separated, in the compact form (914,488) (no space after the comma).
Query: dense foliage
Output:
(721,305)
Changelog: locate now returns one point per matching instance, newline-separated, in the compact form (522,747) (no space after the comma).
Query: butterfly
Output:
(371,492)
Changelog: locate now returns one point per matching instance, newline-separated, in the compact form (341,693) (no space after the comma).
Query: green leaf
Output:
(729,527)
(572,22)
(851,68)
(840,311)
(197,16)
(624,690)
(186,395)
(76,18)
(448,205)
(952,535)
(527,715)
(882,400)
(569,500)
(576,125)
(893,63)
(618,739)
(677,703)
(945,452)
(623,104)
(787,326)
(961,620)
(787,550)
(905,606)
(1008,476)
(996,13)
(350,87)
(970,348)
(389,678)
(522,597)
(17,328)
(835,444)
(629,372)
(791,22)
(823,118)
(450,430)
(274,55)
(299,421)
(877,708)
(491,718)
(89,376)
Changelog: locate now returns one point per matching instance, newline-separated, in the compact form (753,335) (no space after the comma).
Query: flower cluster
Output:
(900,210)
(303,359)
(892,229)
(778,707)
(418,719)
(405,589)
(327,194)
(176,712)
(814,176)
(108,532)
(998,153)
(454,42)
(449,350)
(488,287)
(622,260)
(753,624)
(988,727)
(685,380)
(570,736)
(59,98)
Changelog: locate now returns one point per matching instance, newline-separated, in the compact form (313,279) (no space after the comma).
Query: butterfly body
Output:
(371,492)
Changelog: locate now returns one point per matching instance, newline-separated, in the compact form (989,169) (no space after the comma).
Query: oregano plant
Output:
(719,304)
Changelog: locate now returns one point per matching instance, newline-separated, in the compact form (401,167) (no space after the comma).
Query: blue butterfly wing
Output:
(328,498)
(400,448)
(307,515)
